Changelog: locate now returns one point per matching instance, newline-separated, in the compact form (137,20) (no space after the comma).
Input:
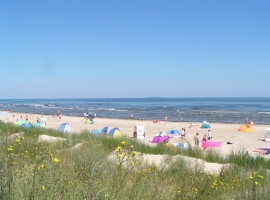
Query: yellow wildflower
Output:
(260,176)
(17,140)
(256,182)
(42,187)
(10,148)
(131,146)
(134,153)
(120,155)
(251,177)
(55,160)
(123,143)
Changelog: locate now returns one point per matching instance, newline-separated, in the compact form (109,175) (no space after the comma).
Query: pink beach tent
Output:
(161,137)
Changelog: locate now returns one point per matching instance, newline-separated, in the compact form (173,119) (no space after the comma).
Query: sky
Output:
(134,48)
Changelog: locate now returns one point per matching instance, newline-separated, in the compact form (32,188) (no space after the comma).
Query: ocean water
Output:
(224,110)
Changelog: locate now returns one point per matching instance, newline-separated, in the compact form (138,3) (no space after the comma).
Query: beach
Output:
(221,132)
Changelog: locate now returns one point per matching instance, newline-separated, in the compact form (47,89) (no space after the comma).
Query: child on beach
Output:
(204,138)
(209,135)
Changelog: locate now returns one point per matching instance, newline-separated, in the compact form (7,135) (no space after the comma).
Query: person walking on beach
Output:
(183,133)
(209,135)
(246,120)
(196,139)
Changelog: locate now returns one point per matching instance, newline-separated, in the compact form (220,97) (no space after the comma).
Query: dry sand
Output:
(220,132)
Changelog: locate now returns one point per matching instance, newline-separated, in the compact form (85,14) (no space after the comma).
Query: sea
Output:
(215,110)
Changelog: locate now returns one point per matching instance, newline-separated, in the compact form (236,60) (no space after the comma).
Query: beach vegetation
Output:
(31,169)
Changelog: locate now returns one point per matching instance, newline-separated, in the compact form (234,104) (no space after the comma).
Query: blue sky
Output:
(120,48)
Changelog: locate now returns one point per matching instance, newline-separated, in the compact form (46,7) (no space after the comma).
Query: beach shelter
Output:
(20,122)
(205,124)
(160,137)
(4,112)
(37,124)
(173,132)
(89,121)
(95,132)
(64,128)
(115,132)
(246,128)
(27,125)
(104,130)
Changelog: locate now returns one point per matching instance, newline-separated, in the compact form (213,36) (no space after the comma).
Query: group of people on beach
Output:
(205,138)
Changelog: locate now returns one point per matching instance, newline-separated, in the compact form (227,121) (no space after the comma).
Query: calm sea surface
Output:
(225,110)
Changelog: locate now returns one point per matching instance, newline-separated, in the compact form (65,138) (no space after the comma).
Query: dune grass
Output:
(39,170)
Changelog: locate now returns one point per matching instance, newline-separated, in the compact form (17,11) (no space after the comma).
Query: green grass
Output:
(33,170)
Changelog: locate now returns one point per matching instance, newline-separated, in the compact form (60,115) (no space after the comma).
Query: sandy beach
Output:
(220,132)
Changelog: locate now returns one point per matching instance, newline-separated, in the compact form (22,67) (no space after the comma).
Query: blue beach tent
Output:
(20,122)
(205,124)
(173,132)
(37,124)
(27,125)
(95,132)
(64,128)
(104,130)
(115,132)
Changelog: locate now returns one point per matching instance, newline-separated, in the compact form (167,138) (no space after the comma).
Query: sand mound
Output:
(16,135)
(164,161)
(47,138)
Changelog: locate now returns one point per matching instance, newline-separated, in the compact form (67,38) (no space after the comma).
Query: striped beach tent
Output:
(115,132)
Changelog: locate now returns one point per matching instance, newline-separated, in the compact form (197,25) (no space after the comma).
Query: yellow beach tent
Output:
(246,128)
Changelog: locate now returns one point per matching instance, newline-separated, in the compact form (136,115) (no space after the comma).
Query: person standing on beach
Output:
(183,133)
(209,135)
(246,120)
(166,119)
(196,139)
(204,138)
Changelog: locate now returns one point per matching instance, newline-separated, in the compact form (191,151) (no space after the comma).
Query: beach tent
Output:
(205,124)
(89,121)
(27,125)
(37,124)
(104,130)
(173,132)
(4,112)
(95,132)
(115,132)
(246,128)
(160,137)
(20,122)
(64,128)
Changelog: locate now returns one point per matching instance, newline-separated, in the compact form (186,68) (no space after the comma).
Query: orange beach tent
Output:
(246,128)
